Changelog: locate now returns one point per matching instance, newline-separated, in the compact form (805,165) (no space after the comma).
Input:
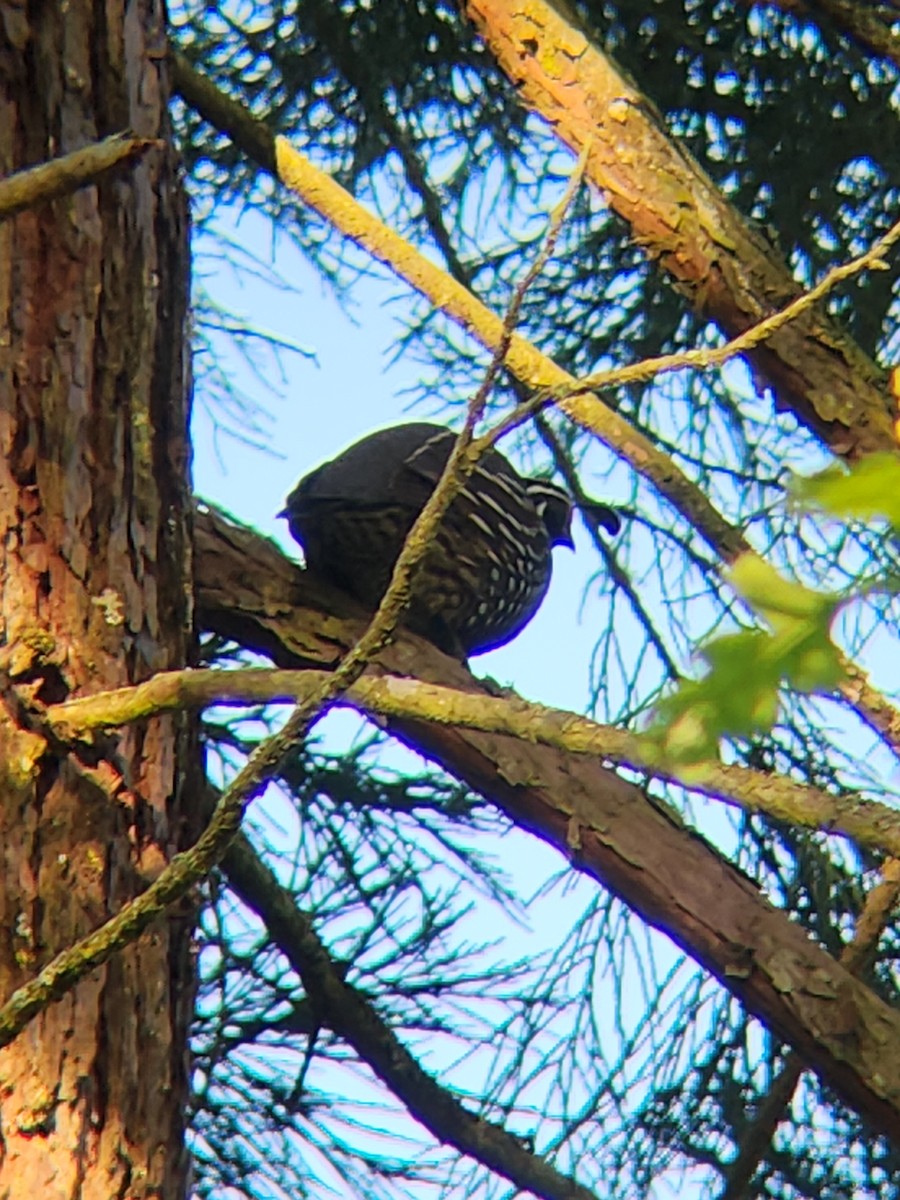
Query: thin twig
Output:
(706,357)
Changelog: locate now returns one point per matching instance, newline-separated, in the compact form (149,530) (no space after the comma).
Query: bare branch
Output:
(60,176)
(871,825)
(724,266)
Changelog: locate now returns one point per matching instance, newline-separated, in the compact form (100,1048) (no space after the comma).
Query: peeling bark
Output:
(94,592)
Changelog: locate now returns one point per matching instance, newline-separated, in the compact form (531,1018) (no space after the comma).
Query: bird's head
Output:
(554,507)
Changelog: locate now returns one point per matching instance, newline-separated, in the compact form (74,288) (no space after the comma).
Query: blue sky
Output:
(343,388)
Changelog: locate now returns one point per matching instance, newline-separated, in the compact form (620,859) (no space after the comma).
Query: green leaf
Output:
(773,596)
(739,694)
(870,488)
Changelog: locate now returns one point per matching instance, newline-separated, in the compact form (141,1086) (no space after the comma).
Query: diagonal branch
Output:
(602,824)
(523,360)
(354,1019)
(880,905)
(726,269)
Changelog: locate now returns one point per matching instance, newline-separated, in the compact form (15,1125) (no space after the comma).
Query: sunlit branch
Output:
(60,176)
(870,824)
(534,369)
(711,254)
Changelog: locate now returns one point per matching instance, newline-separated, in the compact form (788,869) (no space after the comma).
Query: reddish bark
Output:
(95,573)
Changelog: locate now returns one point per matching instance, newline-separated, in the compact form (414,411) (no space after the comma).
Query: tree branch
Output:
(724,267)
(523,360)
(603,825)
(353,1018)
(871,825)
(879,907)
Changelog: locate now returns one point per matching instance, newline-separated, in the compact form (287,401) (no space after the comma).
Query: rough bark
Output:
(95,592)
(725,268)
(604,826)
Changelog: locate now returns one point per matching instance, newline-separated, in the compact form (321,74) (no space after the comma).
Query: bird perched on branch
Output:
(488,566)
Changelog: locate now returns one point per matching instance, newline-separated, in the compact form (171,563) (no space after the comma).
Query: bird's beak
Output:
(602,514)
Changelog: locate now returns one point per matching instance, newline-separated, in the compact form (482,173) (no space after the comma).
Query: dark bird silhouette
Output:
(488,567)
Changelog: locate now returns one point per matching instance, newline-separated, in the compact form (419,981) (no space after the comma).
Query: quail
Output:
(488,566)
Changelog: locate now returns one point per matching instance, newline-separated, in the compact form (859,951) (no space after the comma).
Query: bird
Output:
(488,566)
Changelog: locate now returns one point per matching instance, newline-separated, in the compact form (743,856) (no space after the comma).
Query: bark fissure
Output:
(94,513)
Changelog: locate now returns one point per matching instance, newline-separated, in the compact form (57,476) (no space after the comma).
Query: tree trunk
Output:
(95,593)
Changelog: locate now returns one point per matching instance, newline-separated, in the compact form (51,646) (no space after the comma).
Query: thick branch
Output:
(880,905)
(725,268)
(602,824)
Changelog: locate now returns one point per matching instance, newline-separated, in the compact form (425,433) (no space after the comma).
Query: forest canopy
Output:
(466,943)
(753,154)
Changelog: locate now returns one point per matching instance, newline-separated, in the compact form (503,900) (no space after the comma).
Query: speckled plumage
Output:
(489,566)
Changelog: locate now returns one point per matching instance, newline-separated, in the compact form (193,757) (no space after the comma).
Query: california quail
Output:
(488,567)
